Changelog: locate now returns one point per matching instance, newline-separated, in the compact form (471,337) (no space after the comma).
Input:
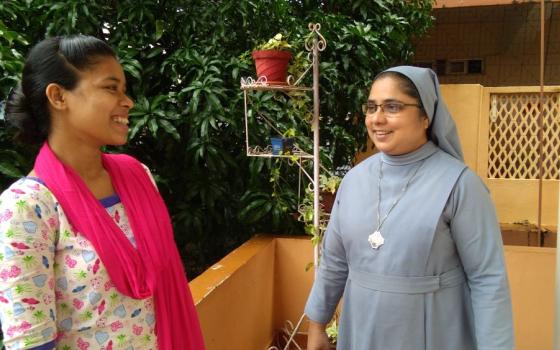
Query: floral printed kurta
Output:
(54,290)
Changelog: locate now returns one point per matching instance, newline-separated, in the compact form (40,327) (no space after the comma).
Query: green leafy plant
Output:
(183,65)
(278,42)
(290,132)
(332,329)
(327,184)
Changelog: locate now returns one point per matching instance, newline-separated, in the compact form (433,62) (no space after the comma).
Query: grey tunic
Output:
(438,282)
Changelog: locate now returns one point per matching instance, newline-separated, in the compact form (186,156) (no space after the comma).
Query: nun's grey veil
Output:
(443,131)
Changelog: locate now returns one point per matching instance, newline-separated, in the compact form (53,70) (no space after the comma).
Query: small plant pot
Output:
(282,145)
(273,65)
(327,201)
(288,145)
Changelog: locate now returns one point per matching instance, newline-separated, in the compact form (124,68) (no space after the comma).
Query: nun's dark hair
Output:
(53,60)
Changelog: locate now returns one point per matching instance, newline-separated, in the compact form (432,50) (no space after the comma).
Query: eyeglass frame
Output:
(383,105)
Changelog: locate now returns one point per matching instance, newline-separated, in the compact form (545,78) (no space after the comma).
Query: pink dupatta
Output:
(154,268)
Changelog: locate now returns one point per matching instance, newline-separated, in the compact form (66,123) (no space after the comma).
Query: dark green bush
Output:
(184,60)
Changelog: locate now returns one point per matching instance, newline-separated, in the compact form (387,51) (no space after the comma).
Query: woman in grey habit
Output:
(413,241)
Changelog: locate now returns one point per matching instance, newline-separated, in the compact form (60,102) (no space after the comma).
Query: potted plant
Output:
(332,330)
(328,185)
(283,144)
(271,60)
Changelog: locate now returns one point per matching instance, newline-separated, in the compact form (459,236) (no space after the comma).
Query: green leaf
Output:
(132,70)
(214,101)
(169,128)
(194,101)
(159,29)
(153,127)
(309,266)
(156,51)
(10,170)
(137,126)
(255,210)
(157,101)
(204,128)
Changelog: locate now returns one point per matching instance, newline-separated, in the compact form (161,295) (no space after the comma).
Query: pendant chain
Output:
(403,190)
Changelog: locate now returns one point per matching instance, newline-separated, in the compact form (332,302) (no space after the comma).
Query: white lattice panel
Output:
(513,147)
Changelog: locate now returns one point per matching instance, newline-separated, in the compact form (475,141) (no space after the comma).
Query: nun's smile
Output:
(394,122)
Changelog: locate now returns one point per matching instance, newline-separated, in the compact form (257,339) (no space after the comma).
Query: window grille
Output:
(513,147)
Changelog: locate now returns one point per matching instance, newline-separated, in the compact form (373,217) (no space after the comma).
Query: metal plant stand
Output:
(314,44)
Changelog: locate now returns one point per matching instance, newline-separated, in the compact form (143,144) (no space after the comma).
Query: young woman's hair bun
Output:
(17,114)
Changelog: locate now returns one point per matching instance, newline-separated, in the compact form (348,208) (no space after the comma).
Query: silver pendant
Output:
(376,240)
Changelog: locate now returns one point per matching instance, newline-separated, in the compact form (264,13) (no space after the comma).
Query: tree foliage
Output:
(184,60)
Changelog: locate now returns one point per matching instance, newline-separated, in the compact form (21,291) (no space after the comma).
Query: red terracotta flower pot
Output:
(272,64)
(327,201)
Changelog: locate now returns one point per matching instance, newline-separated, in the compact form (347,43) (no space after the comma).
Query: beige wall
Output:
(506,38)
(464,103)
(515,200)
(292,281)
(531,273)
(249,294)
(465,3)
(235,298)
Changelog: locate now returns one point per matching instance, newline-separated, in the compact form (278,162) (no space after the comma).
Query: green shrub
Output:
(184,60)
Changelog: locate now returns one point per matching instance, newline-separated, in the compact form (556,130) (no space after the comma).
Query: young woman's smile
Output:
(98,107)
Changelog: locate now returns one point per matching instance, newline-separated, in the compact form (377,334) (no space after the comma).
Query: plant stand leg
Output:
(289,332)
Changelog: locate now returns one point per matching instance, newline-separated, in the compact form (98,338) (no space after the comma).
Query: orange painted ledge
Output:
(221,271)
(469,3)
(245,298)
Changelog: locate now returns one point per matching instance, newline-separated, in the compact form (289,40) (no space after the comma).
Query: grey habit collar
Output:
(443,131)
(423,152)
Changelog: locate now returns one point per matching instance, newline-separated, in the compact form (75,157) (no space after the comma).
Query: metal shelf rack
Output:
(314,44)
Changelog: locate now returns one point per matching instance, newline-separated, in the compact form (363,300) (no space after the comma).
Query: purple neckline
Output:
(108,202)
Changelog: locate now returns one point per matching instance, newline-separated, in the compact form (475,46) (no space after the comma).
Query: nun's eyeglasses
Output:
(390,109)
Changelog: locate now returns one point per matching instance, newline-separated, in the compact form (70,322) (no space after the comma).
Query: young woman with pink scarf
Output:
(88,259)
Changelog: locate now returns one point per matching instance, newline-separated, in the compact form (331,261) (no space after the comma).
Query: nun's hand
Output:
(317,338)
